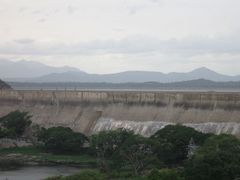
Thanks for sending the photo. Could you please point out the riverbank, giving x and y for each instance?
(38, 172)
(30, 156)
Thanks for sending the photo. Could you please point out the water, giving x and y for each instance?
(148, 128)
(37, 172)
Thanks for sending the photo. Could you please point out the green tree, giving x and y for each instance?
(62, 140)
(173, 141)
(137, 152)
(217, 159)
(15, 123)
(106, 143)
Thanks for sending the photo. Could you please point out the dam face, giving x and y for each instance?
(144, 112)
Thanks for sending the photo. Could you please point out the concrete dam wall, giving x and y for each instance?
(143, 112)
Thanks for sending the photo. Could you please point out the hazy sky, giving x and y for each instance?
(104, 36)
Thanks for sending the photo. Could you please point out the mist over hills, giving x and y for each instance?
(28, 71)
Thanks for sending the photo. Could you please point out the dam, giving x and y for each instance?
(144, 112)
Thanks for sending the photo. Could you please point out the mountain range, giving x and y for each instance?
(28, 71)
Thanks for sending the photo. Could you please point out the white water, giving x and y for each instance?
(148, 128)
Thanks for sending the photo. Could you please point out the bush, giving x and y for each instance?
(62, 140)
(15, 123)
(217, 159)
(173, 141)
(106, 143)
(137, 153)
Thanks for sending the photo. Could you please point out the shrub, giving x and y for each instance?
(173, 141)
(106, 143)
(217, 159)
(15, 123)
(62, 139)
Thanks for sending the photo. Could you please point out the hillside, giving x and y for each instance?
(136, 77)
(4, 85)
(29, 71)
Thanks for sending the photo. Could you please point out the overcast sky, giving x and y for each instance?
(105, 36)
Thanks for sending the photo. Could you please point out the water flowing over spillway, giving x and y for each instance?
(144, 112)
(148, 128)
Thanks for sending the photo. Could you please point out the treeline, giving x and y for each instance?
(173, 153)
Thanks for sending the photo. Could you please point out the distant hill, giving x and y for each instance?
(198, 85)
(137, 77)
(22, 70)
(4, 85)
(29, 71)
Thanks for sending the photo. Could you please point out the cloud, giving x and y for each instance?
(24, 41)
(23, 9)
(37, 12)
(71, 9)
(42, 20)
(134, 9)
(130, 45)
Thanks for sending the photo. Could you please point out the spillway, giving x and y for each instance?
(143, 112)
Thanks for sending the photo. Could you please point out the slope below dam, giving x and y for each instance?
(144, 112)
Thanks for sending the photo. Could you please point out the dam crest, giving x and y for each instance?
(144, 112)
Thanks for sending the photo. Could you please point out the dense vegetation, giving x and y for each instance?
(14, 124)
(173, 153)
(61, 140)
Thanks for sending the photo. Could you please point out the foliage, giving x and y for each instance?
(61, 139)
(173, 141)
(217, 159)
(3, 132)
(164, 174)
(39, 154)
(106, 143)
(137, 152)
(29, 150)
(124, 174)
(14, 124)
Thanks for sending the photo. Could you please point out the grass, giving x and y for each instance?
(70, 158)
(40, 155)
(21, 150)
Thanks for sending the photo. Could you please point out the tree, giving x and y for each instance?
(137, 152)
(62, 139)
(106, 143)
(173, 141)
(15, 123)
(217, 159)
